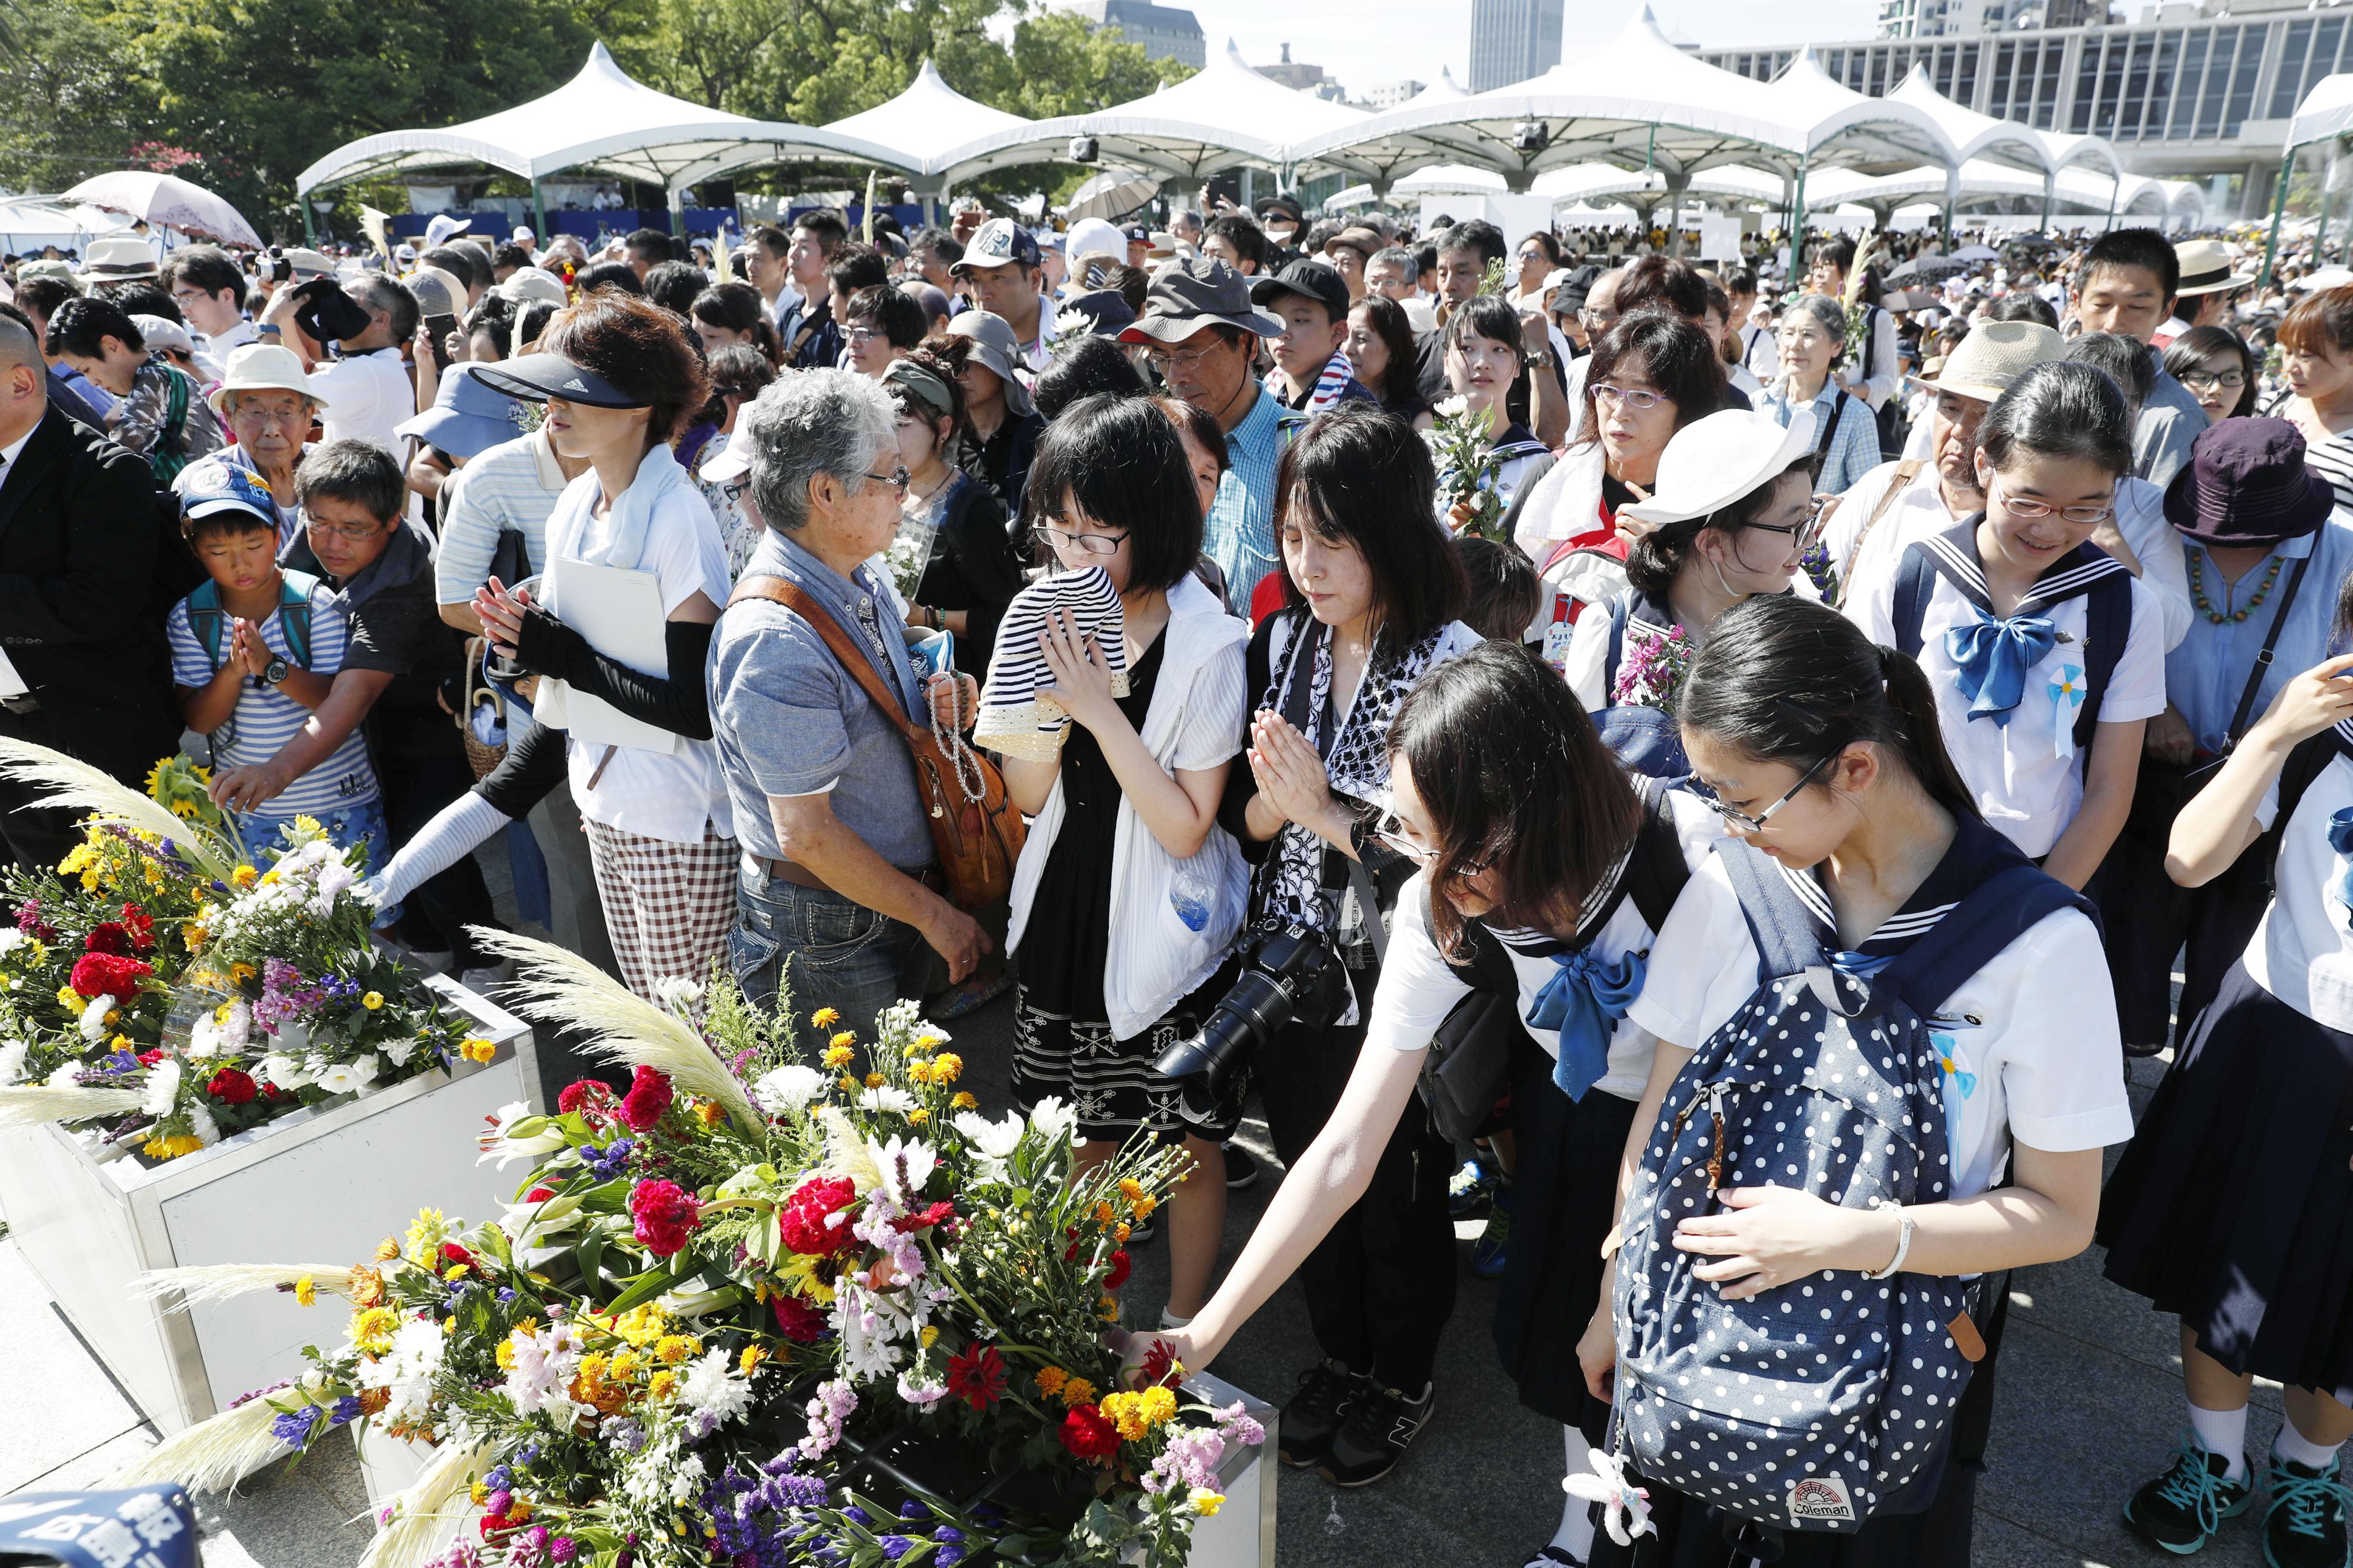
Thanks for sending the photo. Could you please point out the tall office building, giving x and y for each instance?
(1163, 30)
(1512, 40)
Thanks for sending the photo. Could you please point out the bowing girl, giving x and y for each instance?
(2230, 1209)
(2045, 655)
(1732, 513)
(1821, 752)
(1540, 876)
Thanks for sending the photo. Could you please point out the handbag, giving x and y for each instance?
(977, 832)
(2163, 788)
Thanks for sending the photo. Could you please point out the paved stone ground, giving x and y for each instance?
(2090, 1404)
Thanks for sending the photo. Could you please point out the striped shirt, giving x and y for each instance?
(2333, 460)
(1239, 534)
(266, 718)
(511, 487)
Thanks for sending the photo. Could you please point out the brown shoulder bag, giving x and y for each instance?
(976, 830)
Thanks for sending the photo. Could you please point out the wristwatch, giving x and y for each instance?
(274, 672)
(1538, 359)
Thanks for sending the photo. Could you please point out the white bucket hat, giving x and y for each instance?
(1994, 354)
(1712, 462)
(118, 258)
(2208, 267)
(263, 367)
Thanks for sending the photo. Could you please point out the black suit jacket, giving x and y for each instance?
(88, 559)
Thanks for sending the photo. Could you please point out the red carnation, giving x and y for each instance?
(231, 1087)
(1120, 1267)
(453, 1253)
(798, 1321)
(1088, 1435)
(149, 1058)
(941, 1213)
(110, 937)
(802, 1224)
(142, 928)
(539, 1194)
(664, 1216)
(105, 974)
(977, 1377)
(649, 1098)
(587, 1098)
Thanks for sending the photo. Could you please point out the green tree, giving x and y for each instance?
(1064, 65)
(67, 110)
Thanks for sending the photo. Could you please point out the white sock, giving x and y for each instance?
(2224, 1431)
(2296, 1448)
(1170, 1319)
(1575, 1535)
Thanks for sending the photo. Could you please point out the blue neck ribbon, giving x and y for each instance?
(1584, 1000)
(2340, 840)
(1993, 657)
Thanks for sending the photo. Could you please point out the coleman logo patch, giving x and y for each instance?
(1819, 1498)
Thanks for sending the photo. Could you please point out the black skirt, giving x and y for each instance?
(1566, 1203)
(2233, 1207)
(1689, 1534)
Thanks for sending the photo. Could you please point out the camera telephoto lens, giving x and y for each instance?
(1288, 972)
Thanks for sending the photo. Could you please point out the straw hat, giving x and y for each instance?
(118, 258)
(1712, 462)
(2206, 267)
(1994, 354)
(263, 367)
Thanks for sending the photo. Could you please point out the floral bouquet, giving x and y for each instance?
(1653, 671)
(910, 553)
(756, 1310)
(161, 990)
(1462, 445)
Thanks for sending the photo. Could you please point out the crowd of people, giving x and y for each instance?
(1853, 656)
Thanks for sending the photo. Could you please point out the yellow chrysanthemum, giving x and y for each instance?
(708, 1112)
(875, 1080)
(306, 1291)
(947, 1067)
(477, 1050)
(1076, 1391)
(662, 1384)
(238, 973)
(824, 1018)
(672, 1348)
(624, 1366)
(424, 1234)
(365, 1286)
(518, 1511)
(454, 1272)
(1121, 1411)
(962, 1101)
(1206, 1502)
(193, 936)
(372, 1001)
(1142, 1207)
(481, 1492)
(171, 1148)
(837, 1056)
(71, 1000)
(847, 1084)
(749, 1362)
(372, 1329)
(841, 1041)
(1049, 1380)
(930, 1336)
(918, 1117)
(1157, 1404)
(243, 877)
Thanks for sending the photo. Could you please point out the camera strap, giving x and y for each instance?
(1362, 880)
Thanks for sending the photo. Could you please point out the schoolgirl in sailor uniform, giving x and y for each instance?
(2233, 1207)
(1553, 873)
(2045, 654)
(1821, 752)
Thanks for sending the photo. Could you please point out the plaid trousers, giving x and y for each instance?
(668, 907)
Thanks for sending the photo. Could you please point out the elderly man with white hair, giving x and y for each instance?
(839, 891)
(268, 403)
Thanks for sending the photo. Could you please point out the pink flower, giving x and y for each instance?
(664, 1216)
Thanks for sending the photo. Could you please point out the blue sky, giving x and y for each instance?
(1366, 41)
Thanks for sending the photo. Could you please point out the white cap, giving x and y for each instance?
(1094, 237)
(1712, 462)
(731, 462)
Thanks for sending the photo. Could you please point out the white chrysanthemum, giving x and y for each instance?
(788, 1089)
(716, 1391)
(94, 1018)
(906, 1165)
(887, 1097)
(162, 1088)
(12, 1059)
(1054, 1120)
(283, 1071)
(405, 1371)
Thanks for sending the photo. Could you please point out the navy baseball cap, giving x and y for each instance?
(1316, 280)
(468, 415)
(1001, 242)
(211, 486)
(536, 378)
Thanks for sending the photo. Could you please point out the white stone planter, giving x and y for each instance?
(322, 1186)
(1240, 1536)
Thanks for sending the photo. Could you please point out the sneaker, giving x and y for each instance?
(1374, 1434)
(1468, 1188)
(2181, 1509)
(1241, 1167)
(1487, 1256)
(2304, 1525)
(1551, 1556)
(1312, 1419)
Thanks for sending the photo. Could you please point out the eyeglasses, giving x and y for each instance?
(1597, 321)
(2207, 381)
(291, 419)
(1802, 535)
(2033, 510)
(860, 336)
(1093, 543)
(898, 477)
(1741, 819)
(1632, 398)
(1162, 361)
(350, 532)
(1390, 830)
(734, 490)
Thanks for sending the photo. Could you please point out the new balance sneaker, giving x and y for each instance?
(2180, 1510)
(1311, 1417)
(1374, 1434)
(2304, 1525)
(1488, 1255)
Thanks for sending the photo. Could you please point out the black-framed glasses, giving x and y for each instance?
(898, 477)
(734, 490)
(1093, 543)
(1802, 535)
(350, 533)
(1741, 819)
(2207, 381)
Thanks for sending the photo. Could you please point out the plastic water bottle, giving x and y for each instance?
(1194, 892)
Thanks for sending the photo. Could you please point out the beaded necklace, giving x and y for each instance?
(2198, 589)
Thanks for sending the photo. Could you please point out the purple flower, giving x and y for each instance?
(948, 1533)
(911, 1509)
(346, 1411)
(949, 1556)
(895, 1547)
(857, 1515)
(294, 1428)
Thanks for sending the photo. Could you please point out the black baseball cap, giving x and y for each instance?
(536, 378)
(1316, 280)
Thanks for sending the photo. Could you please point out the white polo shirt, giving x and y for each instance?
(367, 395)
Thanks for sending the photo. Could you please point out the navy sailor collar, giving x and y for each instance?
(1976, 854)
(1954, 556)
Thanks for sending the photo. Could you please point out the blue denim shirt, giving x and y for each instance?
(2206, 674)
(789, 719)
(1240, 531)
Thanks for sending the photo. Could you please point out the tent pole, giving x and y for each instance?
(2320, 234)
(2279, 206)
(310, 235)
(1798, 227)
(2049, 182)
(539, 211)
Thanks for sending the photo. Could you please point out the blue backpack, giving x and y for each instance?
(1814, 1405)
(1645, 738)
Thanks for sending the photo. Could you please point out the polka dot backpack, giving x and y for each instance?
(1815, 1405)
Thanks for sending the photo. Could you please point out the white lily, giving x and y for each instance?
(516, 1134)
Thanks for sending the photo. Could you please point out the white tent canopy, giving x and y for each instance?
(602, 120)
(1222, 114)
(2326, 111)
(928, 123)
(2005, 140)
(1876, 131)
(1980, 178)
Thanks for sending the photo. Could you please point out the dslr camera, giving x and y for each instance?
(1291, 972)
